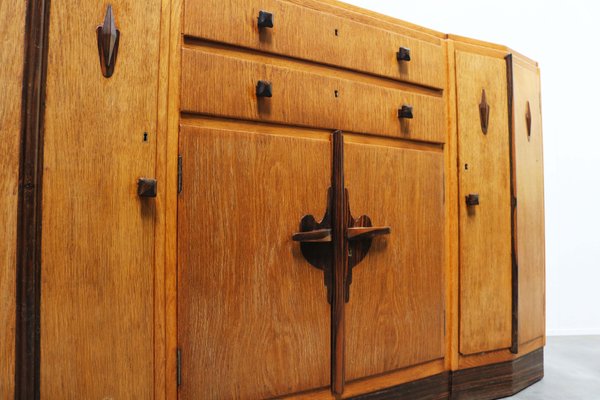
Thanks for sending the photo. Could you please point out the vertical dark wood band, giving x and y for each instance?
(513, 213)
(340, 264)
(27, 354)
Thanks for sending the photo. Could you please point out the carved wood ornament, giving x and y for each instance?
(108, 43)
(528, 120)
(484, 113)
(335, 245)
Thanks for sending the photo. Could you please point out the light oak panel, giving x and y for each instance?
(485, 230)
(395, 317)
(253, 317)
(222, 85)
(12, 30)
(97, 306)
(306, 33)
(528, 164)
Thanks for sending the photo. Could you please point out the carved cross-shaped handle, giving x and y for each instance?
(353, 235)
(335, 245)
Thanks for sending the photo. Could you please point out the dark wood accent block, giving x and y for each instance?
(498, 380)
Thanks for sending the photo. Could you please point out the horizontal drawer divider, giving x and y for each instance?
(273, 128)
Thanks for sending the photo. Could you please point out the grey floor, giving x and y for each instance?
(571, 370)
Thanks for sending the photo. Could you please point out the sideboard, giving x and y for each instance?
(260, 199)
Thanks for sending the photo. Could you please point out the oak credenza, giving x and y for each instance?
(259, 199)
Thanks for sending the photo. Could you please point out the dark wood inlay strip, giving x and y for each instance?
(513, 214)
(27, 355)
(340, 264)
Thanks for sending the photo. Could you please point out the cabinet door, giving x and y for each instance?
(529, 190)
(253, 316)
(12, 30)
(395, 316)
(97, 257)
(485, 229)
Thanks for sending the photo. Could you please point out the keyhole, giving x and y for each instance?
(336, 33)
(466, 167)
(145, 136)
(336, 93)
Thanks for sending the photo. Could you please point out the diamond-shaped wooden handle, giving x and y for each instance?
(108, 43)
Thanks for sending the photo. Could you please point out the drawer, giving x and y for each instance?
(308, 34)
(218, 84)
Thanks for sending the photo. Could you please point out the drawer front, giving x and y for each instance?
(221, 85)
(305, 33)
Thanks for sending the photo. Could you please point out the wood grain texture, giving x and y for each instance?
(370, 17)
(253, 317)
(162, 379)
(395, 317)
(528, 167)
(171, 143)
(485, 230)
(98, 249)
(306, 33)
(12, 45)
(452, 216)
(302, 97)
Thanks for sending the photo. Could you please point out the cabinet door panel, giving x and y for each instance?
(395, 317)
(485, 230)
(97, 294)
(529, 176)
(253, 314)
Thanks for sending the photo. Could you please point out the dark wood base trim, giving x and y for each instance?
(436, 387)
(498, 380)
(480, 383)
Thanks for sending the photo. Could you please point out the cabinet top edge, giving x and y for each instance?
(374, 15)
(420, 29)
(494, 46)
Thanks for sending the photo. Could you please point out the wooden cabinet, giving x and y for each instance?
(267, 199)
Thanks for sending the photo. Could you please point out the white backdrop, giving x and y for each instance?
(563, 37)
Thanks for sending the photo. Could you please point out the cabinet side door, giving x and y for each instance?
(529, 224)
(485, 297)
(97, 257)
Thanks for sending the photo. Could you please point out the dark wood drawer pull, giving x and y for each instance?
(146, 187)
(264, 89)
(265, 19)
(472, 200)
(403, 54)
(405, 111)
